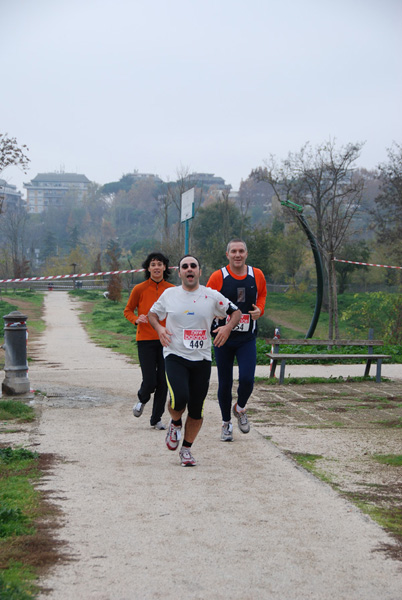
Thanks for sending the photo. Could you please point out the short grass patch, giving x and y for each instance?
(17, 411)
(391, 423)
(309, 462)
(27, 518)
(313, 380)
(393, 460)
(19, 501)
(387, 513)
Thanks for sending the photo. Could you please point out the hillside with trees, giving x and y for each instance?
(355, 214)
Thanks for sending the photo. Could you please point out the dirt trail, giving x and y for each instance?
(246, 523)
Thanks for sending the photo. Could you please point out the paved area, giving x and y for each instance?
(246, 523)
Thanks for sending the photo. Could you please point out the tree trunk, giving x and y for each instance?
(334, 293)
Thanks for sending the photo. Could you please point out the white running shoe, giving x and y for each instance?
(187, 459)
(159, 425)
(138, 409)
(227, 432)
(242, 420)
(173, 436)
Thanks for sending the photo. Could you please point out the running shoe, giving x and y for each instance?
(138, 409)
(159, 425)
(187, 459)
(242, 420)
(227, 432)
(173, 436)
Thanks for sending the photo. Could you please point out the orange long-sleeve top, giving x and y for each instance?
(141, 299)
(216, 280)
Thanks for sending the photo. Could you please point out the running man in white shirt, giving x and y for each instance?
(189, 310)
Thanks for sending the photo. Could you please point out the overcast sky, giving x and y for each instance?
(104, 87)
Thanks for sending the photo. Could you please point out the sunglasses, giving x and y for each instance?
(186, 266)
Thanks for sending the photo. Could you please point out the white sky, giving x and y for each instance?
(103, 87)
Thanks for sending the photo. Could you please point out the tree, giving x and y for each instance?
(289, 256)
(323, 181)
(11, 154)
(358, 251)
(49, 244)
(113, 253)
(388, 212)
(12, 234)
(214, 227)
(255, 200)
(262, 243)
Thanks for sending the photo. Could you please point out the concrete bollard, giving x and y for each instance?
(15, 365)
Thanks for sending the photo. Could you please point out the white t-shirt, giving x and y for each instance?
(189, 316)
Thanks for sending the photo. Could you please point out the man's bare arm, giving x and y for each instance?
(163, 333)
(222, 333)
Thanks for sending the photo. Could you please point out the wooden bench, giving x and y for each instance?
(370, 357)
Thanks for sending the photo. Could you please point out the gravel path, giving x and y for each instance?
(246, 523)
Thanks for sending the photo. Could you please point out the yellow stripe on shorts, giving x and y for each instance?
(172, 403)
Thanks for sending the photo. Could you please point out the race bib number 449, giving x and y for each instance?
(195, 338)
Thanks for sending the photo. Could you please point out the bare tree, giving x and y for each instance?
(322, 180)
(388, 212)
(12, 232)
(174, 190)
(11, 154)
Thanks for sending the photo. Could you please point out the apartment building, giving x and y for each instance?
(52, 189)
(10, 197)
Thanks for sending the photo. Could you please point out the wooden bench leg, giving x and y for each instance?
(282, 374)
(378, 374)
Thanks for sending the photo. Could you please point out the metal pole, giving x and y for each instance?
(319, 272)
(186, 237)
(318, 264)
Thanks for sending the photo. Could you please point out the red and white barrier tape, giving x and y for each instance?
(75, 276)
(352, 262)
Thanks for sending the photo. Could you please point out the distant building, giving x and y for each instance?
(211, 186)
(127, 181)
(9, 196)
(51, 189)
(208, 180)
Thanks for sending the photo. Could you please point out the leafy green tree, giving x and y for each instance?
(262, 244)
(214, 226)
(289, 255)
(358, 251)
(380, 311)
(49, 246)
(74, 237)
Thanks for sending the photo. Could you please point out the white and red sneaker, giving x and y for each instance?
(173, 436)
(187, 459)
